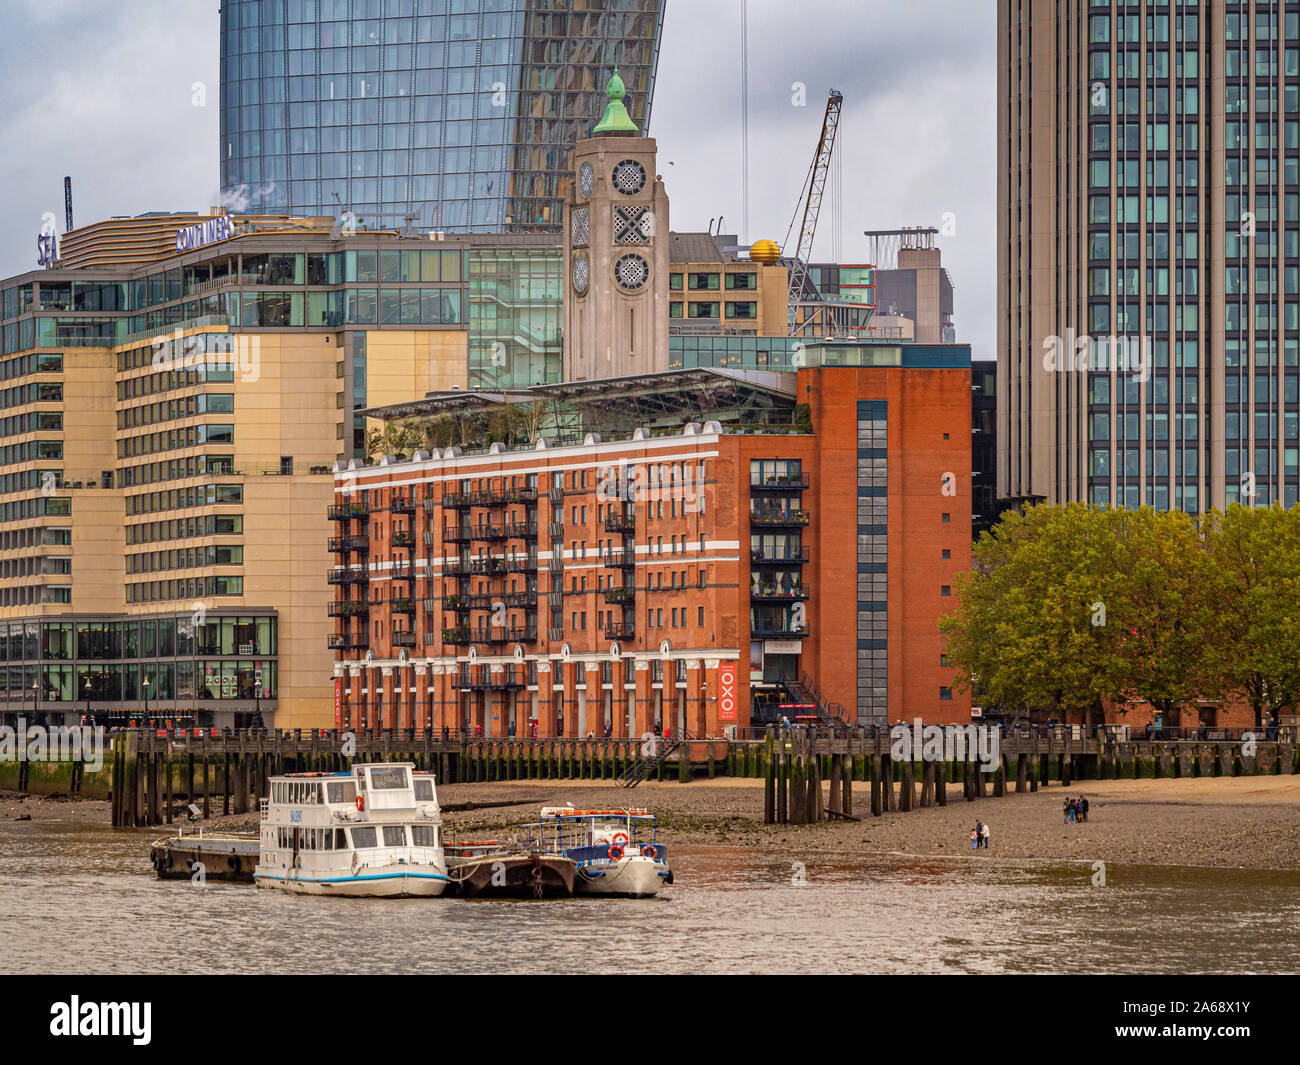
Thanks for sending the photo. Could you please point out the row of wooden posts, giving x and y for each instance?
(795, 766)
(153, 781)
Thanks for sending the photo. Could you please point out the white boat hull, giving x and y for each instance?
(377, 882)
(630, 877)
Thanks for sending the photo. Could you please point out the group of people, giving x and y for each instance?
(979, 836)
(1076, 809)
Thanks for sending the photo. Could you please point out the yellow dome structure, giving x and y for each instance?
(766, 252)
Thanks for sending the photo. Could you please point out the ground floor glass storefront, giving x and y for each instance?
(182, 669)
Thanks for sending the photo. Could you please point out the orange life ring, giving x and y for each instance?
(619, 837)
(650, 851)
(361, 802)
(615, 852)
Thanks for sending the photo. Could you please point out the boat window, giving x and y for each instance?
(364, 837)
(387, 777)
(423, 789)
(394, 835)
(342, 791)
(424, 835)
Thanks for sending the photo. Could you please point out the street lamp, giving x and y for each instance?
(88, 689)
(146, 702)
(36, 695)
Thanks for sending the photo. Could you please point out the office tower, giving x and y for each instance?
(1149, 252)
(461, 114)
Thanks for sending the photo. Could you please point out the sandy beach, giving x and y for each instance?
(1244, 822)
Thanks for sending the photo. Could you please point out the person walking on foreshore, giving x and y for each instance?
(1069, 811)
(974, 838)
(1083, 808)
(984, 835)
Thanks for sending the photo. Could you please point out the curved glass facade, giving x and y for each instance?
(461, 114)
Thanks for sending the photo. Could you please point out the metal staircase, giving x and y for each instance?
(648, 764)
(804, 692)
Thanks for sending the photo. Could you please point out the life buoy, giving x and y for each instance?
(619, 837)
(650, 851)
(361, 802)
(615, 852)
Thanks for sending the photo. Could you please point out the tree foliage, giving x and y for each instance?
(1067, 606)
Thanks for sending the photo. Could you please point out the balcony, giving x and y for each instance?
(404, 638)
(403, 538)
(402, 604)
(358, 542)
(456, 535)
(458, 603)
(556, 529)
(555, 494)
(778, 556)
(482, 677)
(521, 530)
(521, 495)
(458, 635)
(487, 565)
(490, 634)
(778, 519)
(458, 500)
(623, 595)
(796, 482)
(402, 571)
(618, 558)
(620, 630)
(348, 641)
(777, 628)
(455, 567)
(520, 563)
(555, 564)
(621, 522)
(346, 608)
(521, 600)
(347, 575)
(402, 505)
(776, 593)
(348, 511)
(522, 634)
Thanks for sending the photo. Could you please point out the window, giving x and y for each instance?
(945, 694)
(703, 281)
(945, 589)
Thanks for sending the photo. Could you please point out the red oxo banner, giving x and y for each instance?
(727, 691)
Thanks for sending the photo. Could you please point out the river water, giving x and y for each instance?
(83, 899)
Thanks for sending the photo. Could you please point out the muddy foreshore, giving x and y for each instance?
(1243, 822)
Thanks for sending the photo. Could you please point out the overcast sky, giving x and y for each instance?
(107, 92)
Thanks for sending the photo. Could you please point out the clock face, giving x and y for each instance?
(632, 272)
(581, 275)
(586, 180)
(629, 177)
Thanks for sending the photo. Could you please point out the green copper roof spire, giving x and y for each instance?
(616, 119)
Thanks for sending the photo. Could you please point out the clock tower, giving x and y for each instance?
(616, 252)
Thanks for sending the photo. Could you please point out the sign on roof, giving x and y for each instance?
(205, 233)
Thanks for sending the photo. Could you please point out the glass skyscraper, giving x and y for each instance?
(1149, 188)
(460, 113)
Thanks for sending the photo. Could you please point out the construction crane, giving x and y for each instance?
(816, 186)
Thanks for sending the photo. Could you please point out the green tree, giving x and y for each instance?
(1031, 625)
(1255, 590)
(391, 438)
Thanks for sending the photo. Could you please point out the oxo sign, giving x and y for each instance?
(727, 691)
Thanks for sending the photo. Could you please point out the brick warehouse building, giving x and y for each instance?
(690, 565)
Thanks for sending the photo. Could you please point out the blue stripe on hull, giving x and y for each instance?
(349, 879)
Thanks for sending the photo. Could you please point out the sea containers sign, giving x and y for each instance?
(209, 232)
(727, 691)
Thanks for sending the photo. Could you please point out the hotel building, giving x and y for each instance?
(1149, 191)
(172, 419)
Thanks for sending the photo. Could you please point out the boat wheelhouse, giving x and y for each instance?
(375, 832)
(616, 852)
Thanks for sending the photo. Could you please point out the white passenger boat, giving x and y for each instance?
(616, 852)
(374, 832)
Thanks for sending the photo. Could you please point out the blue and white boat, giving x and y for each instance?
(375, 832)
(617, 852)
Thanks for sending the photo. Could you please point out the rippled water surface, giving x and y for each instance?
(77, 898)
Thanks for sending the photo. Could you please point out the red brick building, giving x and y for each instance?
(695, 570)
